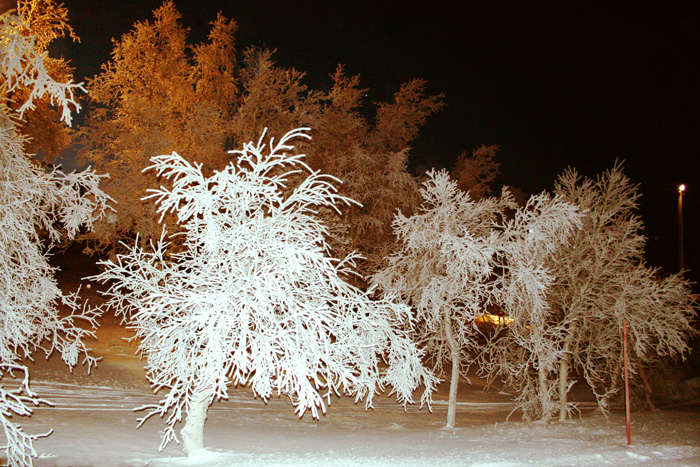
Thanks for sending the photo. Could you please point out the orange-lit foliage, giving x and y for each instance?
(157, 94)
(474, 173)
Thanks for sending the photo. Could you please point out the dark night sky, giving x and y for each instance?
(554, 83)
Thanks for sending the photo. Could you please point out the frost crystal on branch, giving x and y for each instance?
(253, 296)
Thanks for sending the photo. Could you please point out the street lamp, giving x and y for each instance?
(681, 189)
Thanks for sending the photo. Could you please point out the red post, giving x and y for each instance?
(627, 383)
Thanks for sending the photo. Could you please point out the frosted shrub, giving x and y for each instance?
(36, 209)
(253, 298)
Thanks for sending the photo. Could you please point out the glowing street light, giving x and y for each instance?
(681, 189)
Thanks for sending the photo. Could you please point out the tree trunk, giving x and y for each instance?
(564, 377)
(648, 402)
(454, 381)
(604, 401)
(564, 385)
(544, 391)
(193, 431)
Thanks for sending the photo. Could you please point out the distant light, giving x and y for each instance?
(494, 319)
(681, 188)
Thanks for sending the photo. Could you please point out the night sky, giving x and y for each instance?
(554, 83)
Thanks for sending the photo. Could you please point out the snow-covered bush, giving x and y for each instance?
(459, 255)
(36, 209)
(253, 297)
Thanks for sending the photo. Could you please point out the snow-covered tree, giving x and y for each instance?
(525, 353)
(593, 282)
(254, 298)
(458, 255)
(444, 270)
(602, 280)
(37, 209)
(157, 93)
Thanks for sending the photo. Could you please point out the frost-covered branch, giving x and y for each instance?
(20, 445)
(22, 66)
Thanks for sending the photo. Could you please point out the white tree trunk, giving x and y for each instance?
(193, 431)
(454, 380)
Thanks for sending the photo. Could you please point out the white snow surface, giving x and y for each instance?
(95, 425)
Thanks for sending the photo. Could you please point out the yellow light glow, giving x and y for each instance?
(681, 188)
(494, 319)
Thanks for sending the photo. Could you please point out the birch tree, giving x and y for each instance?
(254, 298)
(454, 255)
(524, 352)
(595, 280)
(37, 209)
(602, 280)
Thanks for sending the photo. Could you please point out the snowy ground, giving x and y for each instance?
(94, 425)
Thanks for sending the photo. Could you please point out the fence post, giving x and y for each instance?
(627, 382)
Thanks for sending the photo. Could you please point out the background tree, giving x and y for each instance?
(602, 280)
(458, 255)
(157, 93)
(370, 159)
(474, 173)
(273, 99)
(254, 298)
(36, 209)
